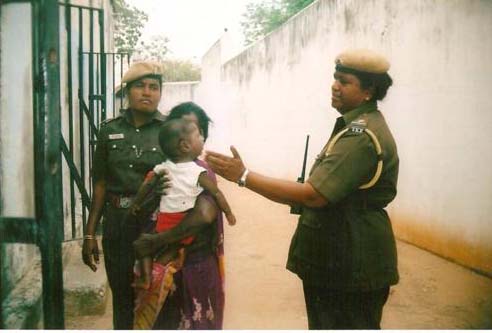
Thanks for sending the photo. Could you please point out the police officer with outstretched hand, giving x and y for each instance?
(343, 248)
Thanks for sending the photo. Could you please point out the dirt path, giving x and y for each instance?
(261, 294)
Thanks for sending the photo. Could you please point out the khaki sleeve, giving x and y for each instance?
(100, 160)
(351, 163)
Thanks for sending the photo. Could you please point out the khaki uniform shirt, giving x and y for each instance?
(349, 244)
(124, 153)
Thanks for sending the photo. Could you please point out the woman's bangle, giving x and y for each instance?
(89, 237)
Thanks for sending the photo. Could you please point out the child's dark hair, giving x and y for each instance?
(171, 133)
(189, 107)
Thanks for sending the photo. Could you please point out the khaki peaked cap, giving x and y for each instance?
(363, 60)
(141, 69)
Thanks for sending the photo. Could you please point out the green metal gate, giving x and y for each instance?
(89, 71)
(82, 110)
(44, 230)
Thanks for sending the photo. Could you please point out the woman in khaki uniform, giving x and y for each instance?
(127, 149)
(343, 248)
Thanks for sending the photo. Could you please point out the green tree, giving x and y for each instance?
(155, 49)
(128, 23)
(180, 70)
(263, 17)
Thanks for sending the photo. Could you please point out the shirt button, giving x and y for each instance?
(134, 146)
(131, 165)
(114, 146)
(138, 130)
(154, 149)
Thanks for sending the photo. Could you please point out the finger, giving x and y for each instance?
(93, 267)
(166, 181)
(235, 153)
(217, 155)
(85, 259)
(167, 185)
(96, 254)
(217, 161)
(210, 153)
(88, 261)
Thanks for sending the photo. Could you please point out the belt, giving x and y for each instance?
(119, 201)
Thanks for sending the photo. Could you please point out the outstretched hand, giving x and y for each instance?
(231, 168)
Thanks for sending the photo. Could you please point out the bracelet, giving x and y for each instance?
(89, 237)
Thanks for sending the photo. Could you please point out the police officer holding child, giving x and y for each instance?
(128, 148)
(343, 248)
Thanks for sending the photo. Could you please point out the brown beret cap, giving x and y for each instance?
(363, 60)
(141, 69)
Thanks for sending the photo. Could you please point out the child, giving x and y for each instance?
(182, 142)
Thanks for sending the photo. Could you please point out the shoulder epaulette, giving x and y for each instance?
(107, 121)
(357, 127)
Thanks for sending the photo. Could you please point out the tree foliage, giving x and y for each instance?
(263, 17)
(155, 49)
(128, 23)
(180, 70)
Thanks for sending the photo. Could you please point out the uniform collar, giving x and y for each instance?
(358, 111)
(156, 116)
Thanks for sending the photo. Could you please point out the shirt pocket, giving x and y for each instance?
(118, 152)
(322, 239)
(312, 240)
(151, 155)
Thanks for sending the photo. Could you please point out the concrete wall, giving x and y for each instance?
(20, 264)
(269, 97)
(16, 136)
(178, 92)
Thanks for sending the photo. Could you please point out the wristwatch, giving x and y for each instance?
(242, 181)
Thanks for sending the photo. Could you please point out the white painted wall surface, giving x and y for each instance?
(179, 91)
(269, 97)
(16, 122)
(16, 134)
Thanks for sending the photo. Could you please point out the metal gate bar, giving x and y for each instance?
(49, 207)
(46, 229)
(89, 114)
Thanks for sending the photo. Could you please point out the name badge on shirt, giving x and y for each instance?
(116, 136)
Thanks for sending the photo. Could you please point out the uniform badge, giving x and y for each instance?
(358, 126)
(116, 136)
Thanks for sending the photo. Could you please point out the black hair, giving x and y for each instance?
(186, 108)
(380, 83)
(171, 133)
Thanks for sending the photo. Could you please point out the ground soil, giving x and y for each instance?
(433, 293)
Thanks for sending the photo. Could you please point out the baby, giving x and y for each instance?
(182, 142)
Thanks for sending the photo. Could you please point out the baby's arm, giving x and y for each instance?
(211, 187)
(148, 184)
